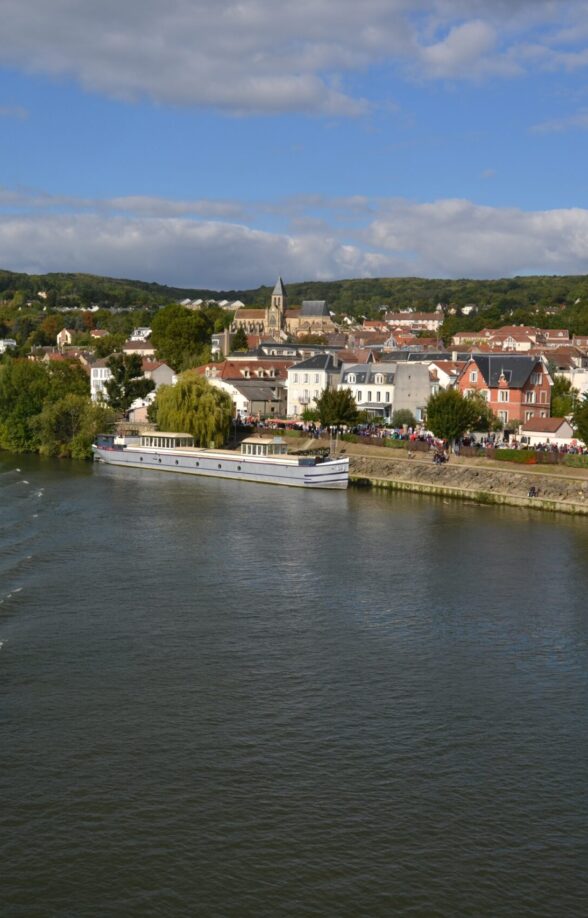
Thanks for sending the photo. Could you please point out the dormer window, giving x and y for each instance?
(379, 379)
(351, 378)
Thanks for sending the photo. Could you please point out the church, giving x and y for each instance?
(279, 322)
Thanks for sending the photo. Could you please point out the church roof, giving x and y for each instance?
(279, 289)
(314, 308)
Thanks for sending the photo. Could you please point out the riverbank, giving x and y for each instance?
(558, 490)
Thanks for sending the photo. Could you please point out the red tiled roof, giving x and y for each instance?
(543, 425)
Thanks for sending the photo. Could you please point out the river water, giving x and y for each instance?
(221, 699)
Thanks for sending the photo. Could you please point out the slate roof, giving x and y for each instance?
(365, 373)
(279, 289)
(517, 369)
(313, 308)
(318, 362)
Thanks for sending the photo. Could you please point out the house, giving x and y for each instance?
(159, 372)
(142, 348)
(547, 431)
(309, 379)
(580, 341)
(99, 376)
(517, 387)
(447, 372)
(382, 388)
(415, 321)
(99, 333)
(140, 334)
(554, 337)
(248, 369)
(372, 386)
(261, 398)
(65, 336)
(6, 344)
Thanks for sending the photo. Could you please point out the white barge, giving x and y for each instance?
(262, 459)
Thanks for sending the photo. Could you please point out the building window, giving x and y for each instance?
(529, 415)
(379, 380)
(543, 414)
(530, 398)
(305, 378)
(503, 416)
(503, 395)
(316, 377)
(378, 396)
(536, 379)
(359, 396)
(485, 394)
(295, 377)
(351, 378)
(369, 396)
(474, 376)
(543, 397)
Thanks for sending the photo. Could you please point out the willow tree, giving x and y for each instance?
(195, 407)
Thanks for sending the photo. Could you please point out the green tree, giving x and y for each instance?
(336, 407)
(483, 418)
(128, 382)
(580, 419)
(239, 342)
(403, 417)
(449, 414)
(310, 414)
(194, 406)
(24, 386)
(69, 426)
(181, 337)
(108, 345)
(563, 397)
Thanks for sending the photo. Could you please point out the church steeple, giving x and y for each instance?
(275, 314)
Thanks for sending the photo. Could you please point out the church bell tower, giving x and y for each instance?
(275, 314)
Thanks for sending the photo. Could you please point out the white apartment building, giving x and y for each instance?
(309, 379)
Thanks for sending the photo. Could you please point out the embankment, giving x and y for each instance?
(565, 494)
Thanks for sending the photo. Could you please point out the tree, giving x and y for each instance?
(128, 382)
(239, 342)
(24, 387)
(403, 417)
(181, 337)
(68, 427)
(580, 419)
(563, 397)
(195, 407)
(449, 414)
(336, 407)
(484, 418)
(310, 415)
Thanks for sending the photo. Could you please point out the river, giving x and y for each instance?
(221, 699)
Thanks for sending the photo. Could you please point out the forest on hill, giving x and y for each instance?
(552, 300)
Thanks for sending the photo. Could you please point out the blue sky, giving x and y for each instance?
(211, 143)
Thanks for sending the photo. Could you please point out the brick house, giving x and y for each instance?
(517, 388)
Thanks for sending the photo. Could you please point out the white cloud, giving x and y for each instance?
(274, 55)
(446, 238)
(579, 120)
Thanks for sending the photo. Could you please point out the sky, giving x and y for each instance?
(216, 144)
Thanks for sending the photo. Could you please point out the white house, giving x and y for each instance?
(6, 344)
(99, 376)
(372, 386)
(140, 334)
(382, 388)
(309, 379)
(552, 431)
(65, 336)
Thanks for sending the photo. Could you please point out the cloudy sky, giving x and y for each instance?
(217, 143)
